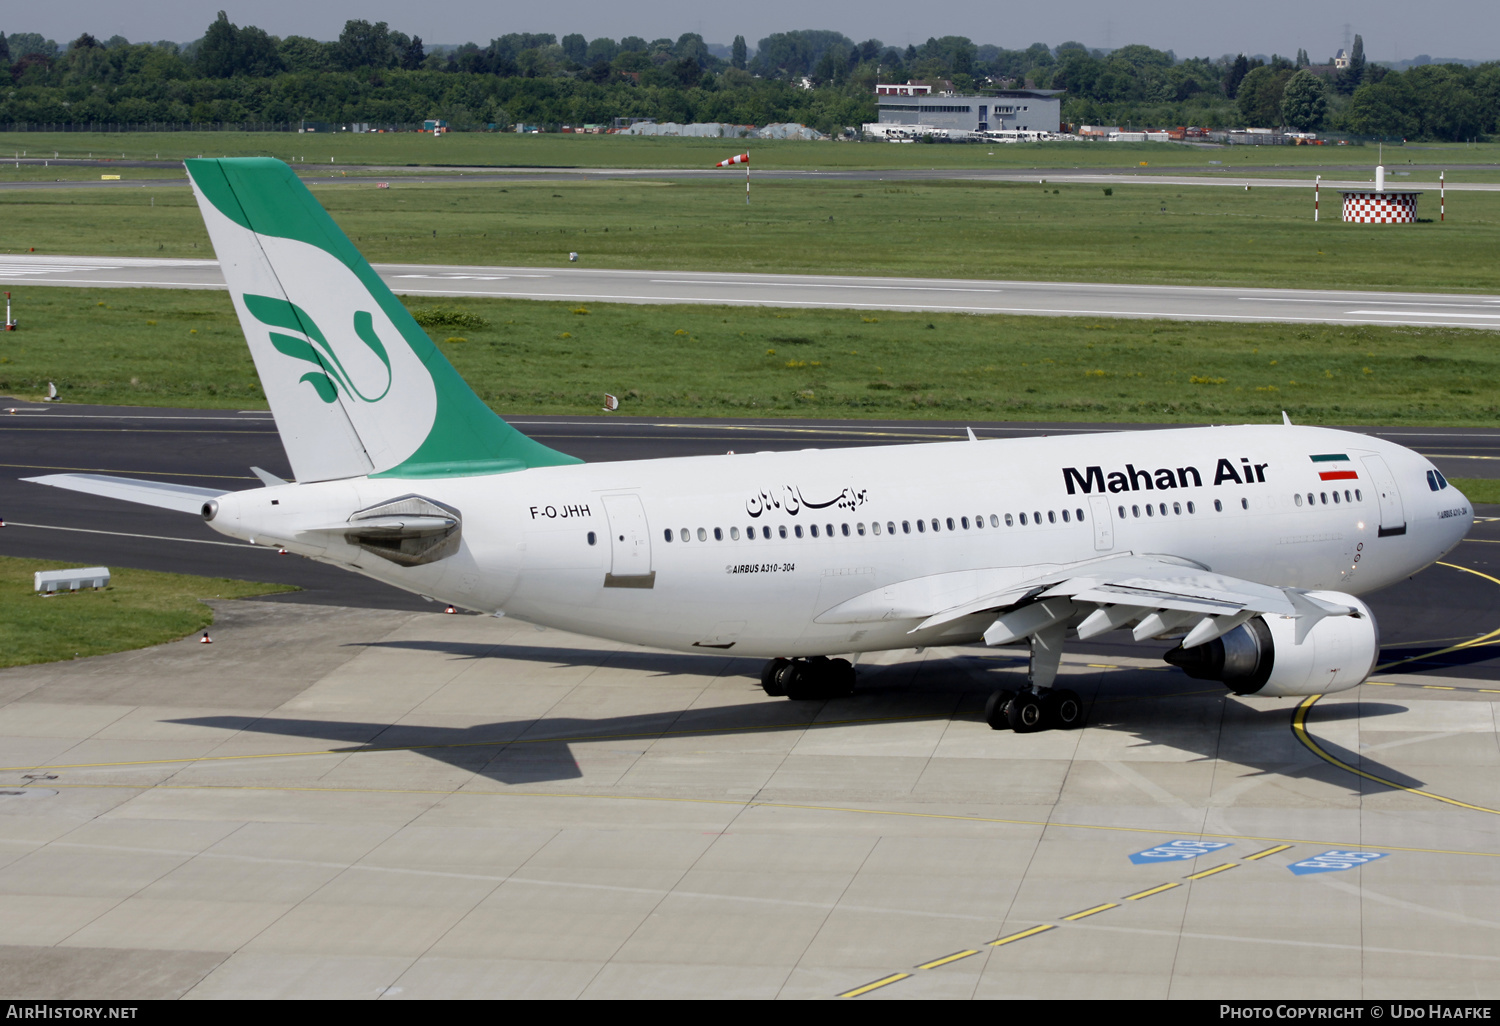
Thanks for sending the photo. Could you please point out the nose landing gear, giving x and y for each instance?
(807, 679)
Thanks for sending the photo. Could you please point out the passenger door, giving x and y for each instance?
(629, 543)
(1383, 482)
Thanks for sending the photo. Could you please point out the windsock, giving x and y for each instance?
(743, 158)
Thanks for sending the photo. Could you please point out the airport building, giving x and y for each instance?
(905, 108)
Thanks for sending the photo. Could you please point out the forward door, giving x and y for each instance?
(1392, 512)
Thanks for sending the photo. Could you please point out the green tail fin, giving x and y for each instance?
(356, 385)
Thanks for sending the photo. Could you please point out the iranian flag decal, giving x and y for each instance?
(1336, 472)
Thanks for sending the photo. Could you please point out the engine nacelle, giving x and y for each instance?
(1262, 657)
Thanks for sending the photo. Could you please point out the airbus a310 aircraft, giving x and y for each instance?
(1248, 543)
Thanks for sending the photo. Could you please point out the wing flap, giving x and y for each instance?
(1163, 594)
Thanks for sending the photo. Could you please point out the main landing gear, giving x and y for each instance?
(1038, 706)
(1028, 711)
(804, 679)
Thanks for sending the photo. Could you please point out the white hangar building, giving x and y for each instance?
(1009, 110)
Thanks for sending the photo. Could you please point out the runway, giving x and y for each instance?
(1051, 299)
(348, 796)
(1211, 172)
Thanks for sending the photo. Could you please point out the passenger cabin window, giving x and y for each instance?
(906, 527)
(1008, 522)
(797, 530)
(860, 529)
(1218, 506)
(921, 526)
(666, 534)
(734, 534)
(593, 538)
(781, 530)
(814, 530)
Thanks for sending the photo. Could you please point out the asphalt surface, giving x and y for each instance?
(1211, 173)
(583, 284)
(1439, 607)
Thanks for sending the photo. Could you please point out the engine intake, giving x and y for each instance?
(1263, 657)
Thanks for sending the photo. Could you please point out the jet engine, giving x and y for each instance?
(1264, 657)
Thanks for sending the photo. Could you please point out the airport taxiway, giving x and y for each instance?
(603, 285)
(355, 797)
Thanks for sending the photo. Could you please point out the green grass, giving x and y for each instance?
(1478, 489)
(556, 150)
(140, 608)
(665, 361)
(1059, 232)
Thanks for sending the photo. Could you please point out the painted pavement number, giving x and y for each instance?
(1177, 851)
(1335, 861)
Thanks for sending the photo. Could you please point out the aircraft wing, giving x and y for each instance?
(1161, 595)
(180, 497)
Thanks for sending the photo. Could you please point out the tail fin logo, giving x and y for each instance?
(309, 344)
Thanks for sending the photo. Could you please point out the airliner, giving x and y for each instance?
(1248, 545)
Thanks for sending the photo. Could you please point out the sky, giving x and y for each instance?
(1392, 30)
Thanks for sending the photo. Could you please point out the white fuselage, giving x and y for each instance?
(763, 545)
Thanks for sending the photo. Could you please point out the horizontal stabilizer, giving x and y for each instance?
(181, 497)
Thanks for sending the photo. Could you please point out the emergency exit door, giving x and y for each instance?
(1104, 525)
(629, 543)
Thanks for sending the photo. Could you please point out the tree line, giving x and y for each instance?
(378, 75)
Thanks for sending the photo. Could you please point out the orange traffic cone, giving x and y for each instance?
(451, 609)
(281, 552)
(205, 640)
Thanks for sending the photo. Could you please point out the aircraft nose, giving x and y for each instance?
(1457, 515)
